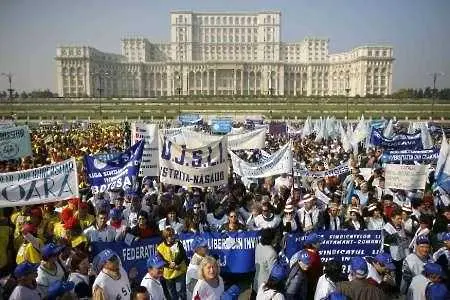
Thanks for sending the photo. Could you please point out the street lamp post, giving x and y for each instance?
(347, 91)
(179, 95)
(435, 76)
(9, 76)
(100, 88)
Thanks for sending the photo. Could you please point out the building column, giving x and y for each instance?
(207, 82)
(256, 75)
(234, 82)
(295, 83)
(215, 82)
(242, 83)
(248, 83)
(281, 81)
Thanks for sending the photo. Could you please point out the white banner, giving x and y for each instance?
(278, 163)
(15, 142)
(406, 177)
(45, 184)
(202, 166)
(150, 160)
(250, 140)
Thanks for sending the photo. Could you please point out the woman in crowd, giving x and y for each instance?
(375, 221)
(233, 224)
(265, 257)
(209, 285)
(171, 220)
(144, 228)
(355, 220)
(79, 275)
(174, 254)
(327, 282)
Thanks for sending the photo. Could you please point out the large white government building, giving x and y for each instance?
(224, 53)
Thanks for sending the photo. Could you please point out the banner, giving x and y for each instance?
(245, 141)
(410, 155)
(278, 163)
(342, 169)
(340, 245)
(406, 177)
(119, 173)
(150, 160)
(189, 119)
(221, 125)
(15, 142)
(277, 128)
(50, 183)
(235, 251)
(202, 166)
(397, 143)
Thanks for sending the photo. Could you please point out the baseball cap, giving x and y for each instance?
(433, 269)
(24, 269)
(359, 266)
(437, 291)
(303, 257)
(385, 259)
(336, 296)
(155, 261)
(50, 249)
(105, 256)
(446, 237)
(115, 213)
(313, 238)
(422, 239)
(198, 242)
(58, 288)
(280, 271)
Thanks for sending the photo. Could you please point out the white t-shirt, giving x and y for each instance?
(22, 292)
(207, 292)
(45, 277)
(268, 294)
(153, 287)
(114, 289)
(324, 288)
(262, 223)
(108, 234)
(214, 223)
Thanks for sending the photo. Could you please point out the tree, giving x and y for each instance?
(427, 93)
(420, 93)
(23, 95)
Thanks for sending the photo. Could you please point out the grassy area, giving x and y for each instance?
(270, 107)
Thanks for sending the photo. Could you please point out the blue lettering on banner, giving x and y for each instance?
(410, 155)
(221, 126)
(236, 250)
(397, 143)
(118, 173)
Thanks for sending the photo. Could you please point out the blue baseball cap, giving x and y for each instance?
(437, 291)
(446, 237)
(58, 288)
(359, 266)
(386, 260)
(232, 293)
(280, 271)
(115, 213)
(156, 262)
(422, 239)
(105, 256)
(198, 242)
(433, 269)
(313, 238)
(24, 269)
(50, 249)
(301, 256)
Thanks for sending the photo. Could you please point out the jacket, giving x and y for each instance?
(265, 258)
(296, 283)
(179, 257)
(361, 289)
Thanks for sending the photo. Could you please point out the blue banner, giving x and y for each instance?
(189, 119)
(410, 155)
(117, 173)
(221, 126)
(235, 251)
(397, 143)
(340, 245)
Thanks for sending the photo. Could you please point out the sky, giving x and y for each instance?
(30, 31)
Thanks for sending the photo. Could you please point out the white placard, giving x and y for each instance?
(406, 177)
(15, 142)
(50, 183)
(250, 140)
(150, 160)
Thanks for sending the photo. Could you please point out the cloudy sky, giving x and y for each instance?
(30, 30)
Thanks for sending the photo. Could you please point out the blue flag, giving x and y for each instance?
(120, 172)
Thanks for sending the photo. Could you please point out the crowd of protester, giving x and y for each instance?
(45, 249)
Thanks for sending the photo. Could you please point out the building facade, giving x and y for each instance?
(224, 54)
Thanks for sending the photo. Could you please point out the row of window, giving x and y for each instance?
(227, 20)
(376, 53)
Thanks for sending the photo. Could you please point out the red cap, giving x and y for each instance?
(28, 228)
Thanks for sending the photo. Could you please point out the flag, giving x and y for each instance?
(442, 159)
(307, 129)
(344, 139)
(350, 190)
(427, 142)
(389, 130)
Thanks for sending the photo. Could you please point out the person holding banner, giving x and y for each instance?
(174, 254)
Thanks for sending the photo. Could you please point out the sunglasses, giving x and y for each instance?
(196, 207)
(233, 216)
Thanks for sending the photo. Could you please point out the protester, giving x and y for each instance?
(442, 256)
(200, 247)
(312, 245)
(209, 285)
(380, 268)
(26, 274)
(79, 275)
(432, 274)
(297, 280)
(50, 269)
(359, 287)
(265, 258)
(274, 287)
(60, 290)
(152, 280)
(309, 215)
(326, 284)
(174, 254)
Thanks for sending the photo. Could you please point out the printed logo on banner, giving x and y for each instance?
(120, 173)
(201, 166)
(15, 142)
(50, 183)
(150, 160)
